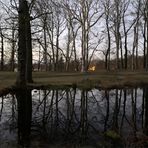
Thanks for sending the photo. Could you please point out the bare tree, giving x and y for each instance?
(107, 9)
(136, 37)
(72, 32)
(52, 22)
(87, 13)
(13, 46)
(9, 25)
(126, 30)
(144, 12)
(116, 18)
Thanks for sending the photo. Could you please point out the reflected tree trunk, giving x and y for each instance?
(116, 111)
(2, 104)
(134, 111)
(73, 106)
(83, 119)
(68, 112)
(70, 101)
(124, 108)
(143, 109)
(50, 114)
(24, 101)
(107, 110)
(146, 111)
(56, 111)
(13, 110)
(44, 109)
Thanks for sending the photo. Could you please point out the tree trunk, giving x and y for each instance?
(28, 46)
(12, 62)
(57, 51)
(109, 45)
(24, 45)
(133, 51)
(74, 48)
(21, 77)
(146, 19)
(68, 46)
(2, 50)
(45, 45)
(122, 63)
(125, 45)
(144, 45)
(50, 32)
(117, 23)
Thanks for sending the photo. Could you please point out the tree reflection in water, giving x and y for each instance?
(24, 101)
(78, 117)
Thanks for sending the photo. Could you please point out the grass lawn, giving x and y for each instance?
(101, 79)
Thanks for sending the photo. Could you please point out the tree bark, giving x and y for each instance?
(22, 53)
(2, 50)
(24, 45)
(28, 46)
(12, 61)
(45, 44)
(146, 19)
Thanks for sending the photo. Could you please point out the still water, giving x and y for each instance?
(74, 118)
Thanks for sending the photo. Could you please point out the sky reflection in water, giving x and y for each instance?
(72, 117)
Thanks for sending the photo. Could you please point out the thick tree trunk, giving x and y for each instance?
(21, 77)
(24, 45)
(147, 36)
(28, 47)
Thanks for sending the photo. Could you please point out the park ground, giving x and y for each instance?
(102, 79)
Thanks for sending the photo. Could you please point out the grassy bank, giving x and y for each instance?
(82, 80)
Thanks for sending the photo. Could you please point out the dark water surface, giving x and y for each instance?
(74, 118)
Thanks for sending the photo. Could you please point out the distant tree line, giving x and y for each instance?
(66, 35)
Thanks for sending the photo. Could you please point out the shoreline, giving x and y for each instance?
(98, 80)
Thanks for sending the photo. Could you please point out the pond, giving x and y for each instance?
(74, 118)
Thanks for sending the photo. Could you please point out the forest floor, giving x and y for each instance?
(102, 79)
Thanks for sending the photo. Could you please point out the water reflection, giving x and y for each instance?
(24, 101)
(107, 118)
(145, 92)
